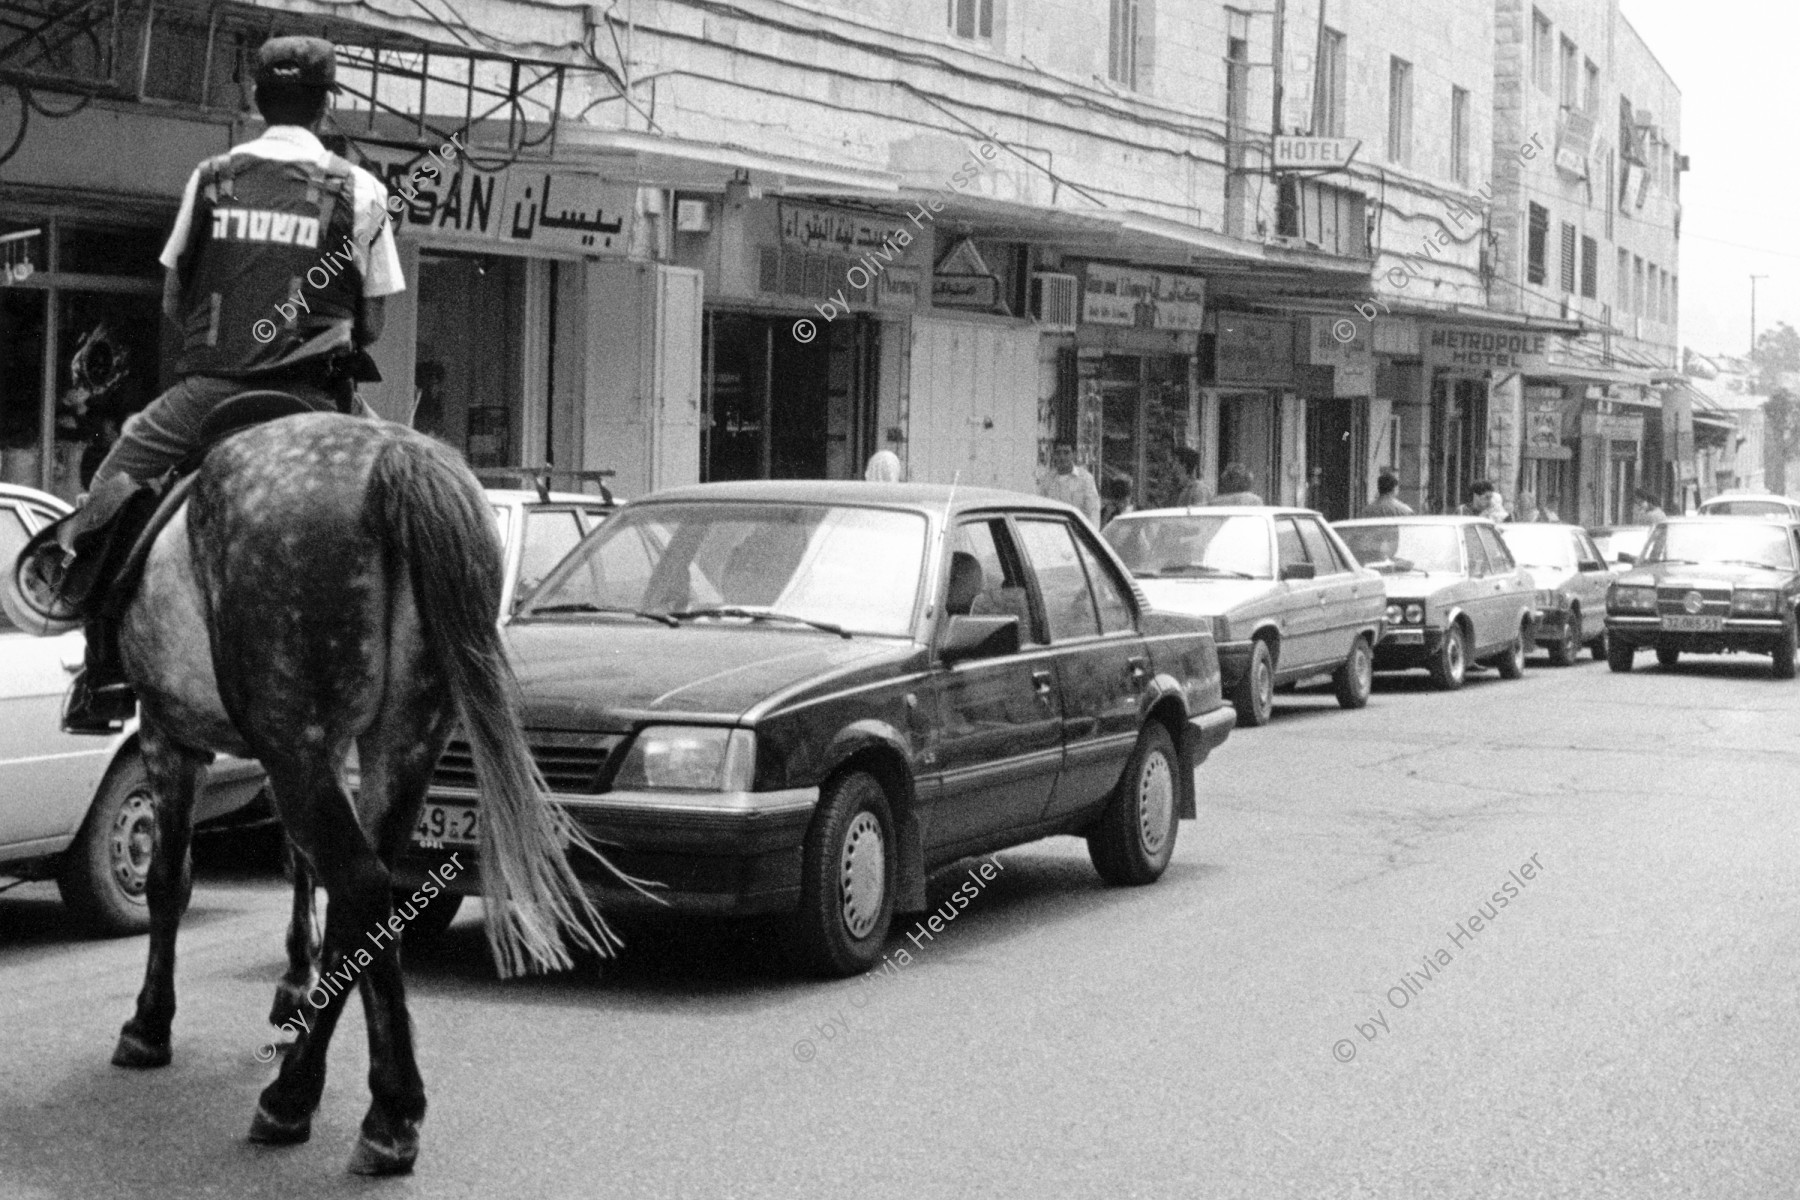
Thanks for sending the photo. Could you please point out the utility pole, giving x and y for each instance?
(1280, 50)
(1753, 280)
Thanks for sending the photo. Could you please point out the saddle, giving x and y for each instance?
(113, 543)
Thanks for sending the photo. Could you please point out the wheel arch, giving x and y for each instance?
(1172, 714)
(879, 749)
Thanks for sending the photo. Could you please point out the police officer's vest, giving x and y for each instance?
(263, 232)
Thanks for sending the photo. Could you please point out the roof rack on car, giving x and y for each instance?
(540, 477)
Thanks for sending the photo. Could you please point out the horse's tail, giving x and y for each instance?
(437, 523)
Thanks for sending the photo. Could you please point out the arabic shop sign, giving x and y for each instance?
(836, 229)
(549, 207)
(1144, 299)
(1253, 350)
(1485, 348)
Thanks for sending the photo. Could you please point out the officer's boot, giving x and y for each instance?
(101, 700)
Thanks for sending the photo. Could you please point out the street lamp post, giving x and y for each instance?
(1753, 280)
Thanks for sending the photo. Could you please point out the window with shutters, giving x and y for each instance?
(1537, 236)
(1459, 135)
(1571, 75)
(1400, 104)
(1624, 281)
(972, 19)
(1122, 58)
(1567, 279)
(1590, 268)
(1328, 87)
(1542, 62)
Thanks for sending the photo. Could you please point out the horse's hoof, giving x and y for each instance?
(385, 1158)
(138, 1054)
(266, 1129)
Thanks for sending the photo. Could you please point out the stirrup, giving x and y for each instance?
(31, 589)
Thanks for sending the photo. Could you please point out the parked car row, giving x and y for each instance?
(799, 699)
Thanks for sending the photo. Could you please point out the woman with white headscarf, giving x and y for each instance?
(884, 467)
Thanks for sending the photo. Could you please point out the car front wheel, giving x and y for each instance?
(1619, 655)
(104, 873)
(1254, 698)
(1134, 839)
(846, 879)
(1451, 664)
(1784, 653)
(1356, 678)
(1512, 663)
(1566, 651)
(1599, 646)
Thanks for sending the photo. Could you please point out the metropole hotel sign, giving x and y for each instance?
(1485, 348)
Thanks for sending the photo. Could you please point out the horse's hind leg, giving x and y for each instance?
(175, 776)
(397, 757)
(303, 947)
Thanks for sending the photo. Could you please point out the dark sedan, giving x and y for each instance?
(1706, 586)
(803, 698)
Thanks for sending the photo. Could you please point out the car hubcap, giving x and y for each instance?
(1265, 686)
(1364, 668)
(1453, 655)
(1156, 802)
(862, 874)
(131, 841)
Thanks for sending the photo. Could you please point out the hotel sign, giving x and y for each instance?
(1314, 153)
(1486, 348)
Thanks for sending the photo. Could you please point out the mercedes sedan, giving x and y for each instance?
(1706, 586)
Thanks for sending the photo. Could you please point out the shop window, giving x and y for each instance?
(1536, 243)
(22, 317)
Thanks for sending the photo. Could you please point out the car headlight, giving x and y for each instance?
(690, 758)
(1631, 599)
(1395, 614)
(1755, 600)
(1415, 614)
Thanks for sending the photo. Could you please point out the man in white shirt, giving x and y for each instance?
(278, 264)
(1071, 484)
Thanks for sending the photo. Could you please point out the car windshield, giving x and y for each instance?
(1426, 547)
(1201, 545)
(1721, 542)
(1622, 541)
(855, 569)
(1540, 545)
(1745, 508)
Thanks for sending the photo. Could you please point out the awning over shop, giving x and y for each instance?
(657, 160)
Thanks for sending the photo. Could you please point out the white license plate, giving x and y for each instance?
(447, 825)
(1685, 624)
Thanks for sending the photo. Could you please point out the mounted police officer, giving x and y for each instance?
(277, 265)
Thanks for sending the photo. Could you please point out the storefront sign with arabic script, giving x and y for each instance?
(838, 229)
(536, 205)
(1147, 299)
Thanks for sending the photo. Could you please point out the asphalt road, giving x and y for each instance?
(1292, 1011)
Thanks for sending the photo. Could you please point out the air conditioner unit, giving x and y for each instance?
(1053, 301)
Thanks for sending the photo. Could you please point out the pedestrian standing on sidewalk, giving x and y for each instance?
(1387, 499)
(1071, 484)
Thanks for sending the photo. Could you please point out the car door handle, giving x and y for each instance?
(1042, 681)
(1138, 668)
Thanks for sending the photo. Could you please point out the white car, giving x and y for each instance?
(1750, 504)
(78, 809)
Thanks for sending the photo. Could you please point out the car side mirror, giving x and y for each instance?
(979, 637)
(1588, 564)
(1298, 570)
(1629, 560)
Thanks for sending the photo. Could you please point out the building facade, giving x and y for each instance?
(679, 240)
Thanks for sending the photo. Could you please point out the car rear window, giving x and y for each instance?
(1193, 545)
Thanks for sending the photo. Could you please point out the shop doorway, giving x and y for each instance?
(1458, 439)
(1143, 417)
(780, 408)
(1336, 451)
(1249, 434)
(473, 373)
